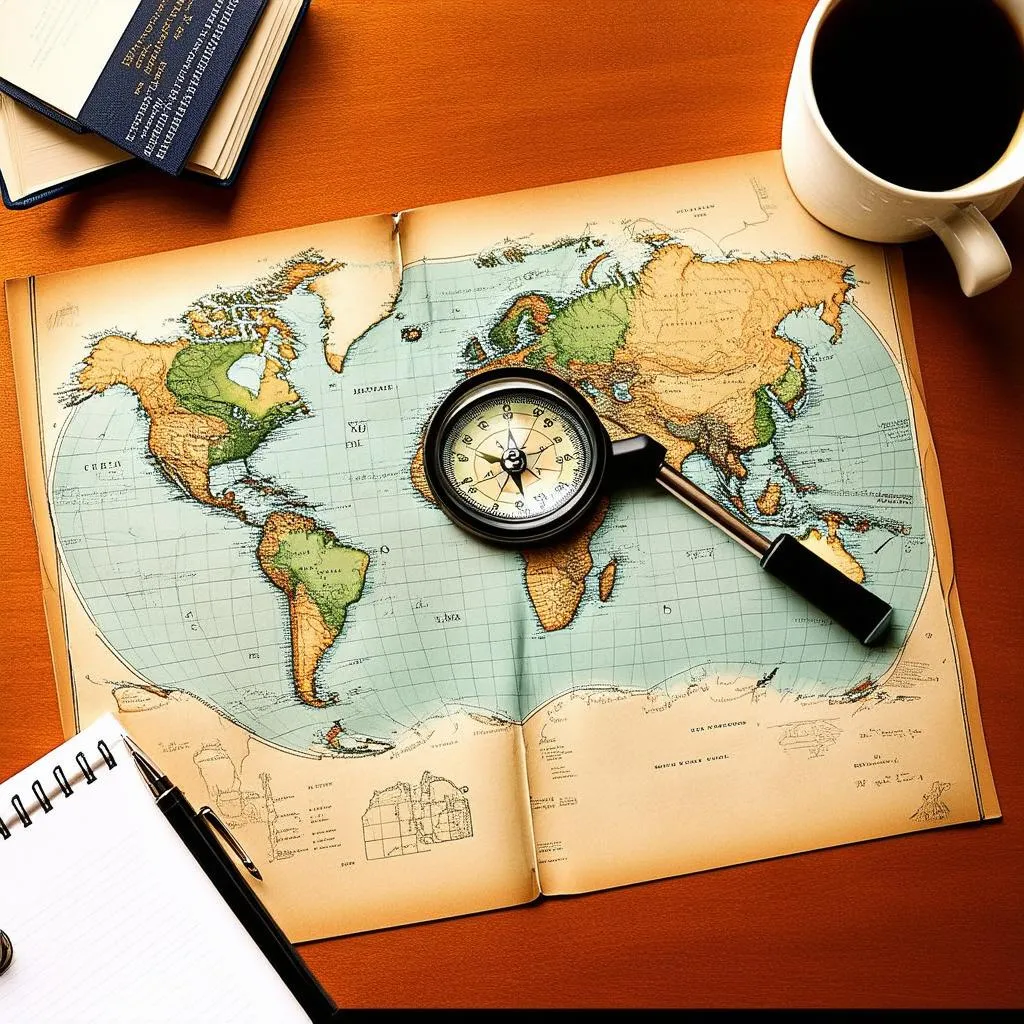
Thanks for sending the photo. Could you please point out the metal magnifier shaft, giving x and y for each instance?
(690, 494)
(853, 606)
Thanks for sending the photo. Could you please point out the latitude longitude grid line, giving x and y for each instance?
(843, 444)
(694, 575)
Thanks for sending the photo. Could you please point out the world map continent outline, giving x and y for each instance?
(686, 350)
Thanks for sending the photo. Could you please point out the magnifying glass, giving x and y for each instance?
(6, 952)
(519, 458)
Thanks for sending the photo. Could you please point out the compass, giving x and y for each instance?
(518, 457)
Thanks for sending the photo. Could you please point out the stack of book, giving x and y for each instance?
(89, 85)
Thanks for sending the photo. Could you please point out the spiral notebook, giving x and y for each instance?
(109, 916)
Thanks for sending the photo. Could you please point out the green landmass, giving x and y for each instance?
(587, 329)
(764, 422)
(504, 335)
(789, 387)
(247, 433)
(332, 573)
(198, 379)
(474, 351)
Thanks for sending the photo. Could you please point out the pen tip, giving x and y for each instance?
(155, 779)
(255, 872)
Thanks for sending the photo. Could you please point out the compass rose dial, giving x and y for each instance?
(516, 455)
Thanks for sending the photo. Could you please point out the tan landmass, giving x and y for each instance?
(180, 440)
(830, 547)
(200, 323)
(588, 271)
(264, 319)
(606, 581)
(335, 360)
(536, 308)
(346, 322)
(556, 575)
(133, 697)
(770, 500)
(311, 636)
(701, 341)
(302, 272)
(274, 388)
(418, 477)
(798, 484)
(699, 348)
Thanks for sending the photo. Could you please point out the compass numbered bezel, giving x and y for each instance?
(490, 386)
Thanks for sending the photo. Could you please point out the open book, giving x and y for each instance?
(241, 555)
(41, 157)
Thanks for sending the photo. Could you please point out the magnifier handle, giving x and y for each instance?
(853, 606)
(634, 460)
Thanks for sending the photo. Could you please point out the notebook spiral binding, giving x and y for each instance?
(44, 800)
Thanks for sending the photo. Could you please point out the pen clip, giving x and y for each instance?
(222, 830)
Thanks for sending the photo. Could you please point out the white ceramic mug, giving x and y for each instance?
(848, 198)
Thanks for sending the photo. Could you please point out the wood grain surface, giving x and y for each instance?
(399, 103)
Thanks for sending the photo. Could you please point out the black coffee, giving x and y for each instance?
(926, 94)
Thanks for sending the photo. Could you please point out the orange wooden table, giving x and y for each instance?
(400, 103)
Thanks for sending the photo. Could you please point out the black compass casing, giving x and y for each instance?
(536, 530)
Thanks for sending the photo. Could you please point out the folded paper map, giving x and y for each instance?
(242, 559)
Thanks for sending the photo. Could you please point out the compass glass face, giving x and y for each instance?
(517, 455)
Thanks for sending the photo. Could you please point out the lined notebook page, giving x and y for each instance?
(110, 917)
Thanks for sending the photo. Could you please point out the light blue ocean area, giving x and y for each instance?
(445, 622)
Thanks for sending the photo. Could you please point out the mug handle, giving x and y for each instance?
(978, 253)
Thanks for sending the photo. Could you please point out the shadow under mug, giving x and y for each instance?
(848, 198)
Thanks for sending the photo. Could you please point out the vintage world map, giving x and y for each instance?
(277, 553)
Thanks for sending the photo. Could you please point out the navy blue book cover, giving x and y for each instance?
(73, 185)
(160, 84)
(30, 101)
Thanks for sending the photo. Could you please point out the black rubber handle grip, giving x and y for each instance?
(854, 607)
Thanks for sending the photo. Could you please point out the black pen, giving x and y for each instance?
(196, 830)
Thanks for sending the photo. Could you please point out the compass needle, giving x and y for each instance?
(546, 456)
